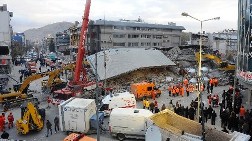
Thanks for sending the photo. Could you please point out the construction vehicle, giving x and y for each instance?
(222, 65)
(31, 119)
(144, 89)
(54, 82)
(80, 82)
(20, 94)
(78, 137)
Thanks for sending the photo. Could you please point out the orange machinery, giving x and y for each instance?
(144, 89)
(78, 137)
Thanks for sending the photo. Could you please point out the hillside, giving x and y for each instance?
(39, 33)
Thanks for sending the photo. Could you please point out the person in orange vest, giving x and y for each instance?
(186, 82)
(215, 80)
(169, 90)
(173, 91)
(242, 111)
(181, 91)
(177, 91)
(10, 119)
(211, 85)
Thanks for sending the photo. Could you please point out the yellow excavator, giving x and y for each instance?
(31, 119)
(20, 93)
(54, 82)
(222, 65)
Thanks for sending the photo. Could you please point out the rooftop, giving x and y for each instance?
(124, 60)
(138, 24)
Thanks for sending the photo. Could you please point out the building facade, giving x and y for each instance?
(244, 50)
(62, 41)
(124, 33)
(5, 39)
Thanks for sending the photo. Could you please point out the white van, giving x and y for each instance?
(117, 100)
(129, 123)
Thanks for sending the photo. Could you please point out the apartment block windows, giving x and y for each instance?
(134, 44)
(145, 44)
(145, 36)
(119, 35)
(156, 44)
(133, 36)
(157, 36)
(119, 44)
(119, 27)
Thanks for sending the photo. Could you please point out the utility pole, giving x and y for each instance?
(96, 99)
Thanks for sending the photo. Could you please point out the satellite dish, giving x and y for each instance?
(204, 69)
(192, 71)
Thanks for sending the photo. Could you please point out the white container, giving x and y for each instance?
(75, 114)
(117, 100)
(129, 123)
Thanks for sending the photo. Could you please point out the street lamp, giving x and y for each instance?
(199, 69)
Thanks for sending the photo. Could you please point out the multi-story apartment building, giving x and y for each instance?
(5, 39)
(62, 41)
(125, 33)
(244, 50)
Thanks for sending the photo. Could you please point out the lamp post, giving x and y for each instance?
(200, 106)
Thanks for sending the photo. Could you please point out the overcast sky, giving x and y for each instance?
(37, 13)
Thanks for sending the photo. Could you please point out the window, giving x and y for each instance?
(118, 35)
(133, 44)
(157, 36)
(119, 27)
(118, 44)
(149, 88)
(133, 36)
(145, 36)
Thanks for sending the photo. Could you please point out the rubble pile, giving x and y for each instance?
(157, 75)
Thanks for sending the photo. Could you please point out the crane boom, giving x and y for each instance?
(81, 48)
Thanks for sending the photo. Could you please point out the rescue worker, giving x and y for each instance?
(152, 106)
(215, 82)
(3, 116)
(144, 103)
(174, 91)
(242, 111)
(1, 123)
(177, 91)
(48, 127)
(147, 104)
(10, 120)
(153, 94)
(185, 82)
(169, 90)
(181, 91)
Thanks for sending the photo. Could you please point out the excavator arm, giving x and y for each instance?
(25, 124)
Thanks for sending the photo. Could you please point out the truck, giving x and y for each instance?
(75, 114)
(145, 89)
(117, 100)
(129, 123)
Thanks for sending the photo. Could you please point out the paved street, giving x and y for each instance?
(53, 111)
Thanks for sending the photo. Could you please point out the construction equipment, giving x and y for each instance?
(77, 86)
(144, 89)
(222, 65)
(31, 119)
(54, 82)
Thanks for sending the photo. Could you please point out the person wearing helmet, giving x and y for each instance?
(10, 119)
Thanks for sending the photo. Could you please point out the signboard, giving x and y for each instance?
(246, 76)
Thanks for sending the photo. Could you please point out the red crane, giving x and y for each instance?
(81, 49)
(75, 87)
